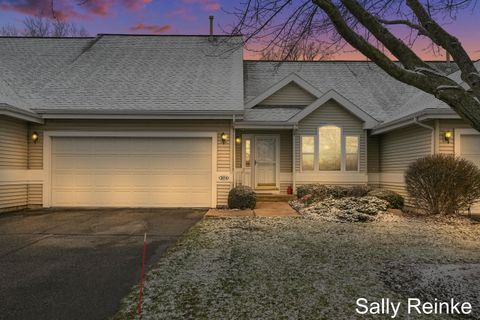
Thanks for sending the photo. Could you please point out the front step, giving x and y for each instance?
(266, 197)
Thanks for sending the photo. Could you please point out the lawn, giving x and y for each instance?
(300, 268)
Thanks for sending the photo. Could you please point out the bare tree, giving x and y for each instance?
(37, 26)
(306, 51)
(41, 26)
(374, 28)
(9, 30)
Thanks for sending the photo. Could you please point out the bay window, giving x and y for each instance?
(330, 150)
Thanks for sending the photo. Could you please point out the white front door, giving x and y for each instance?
(265, 161)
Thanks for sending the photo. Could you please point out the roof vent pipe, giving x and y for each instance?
(211, 28)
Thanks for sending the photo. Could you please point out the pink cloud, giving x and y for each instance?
(183, 13)
(206, 5)
(150, 28)
(68, 9)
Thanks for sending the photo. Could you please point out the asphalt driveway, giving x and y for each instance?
(78, 264)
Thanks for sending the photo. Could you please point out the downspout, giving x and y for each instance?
(233, 142)
(432, 129)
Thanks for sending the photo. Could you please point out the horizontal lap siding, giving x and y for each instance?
(13, 144)
(331, 113)
(289, 95)
(13, 156)
(401, 147)
(223, 150)
(398, 149)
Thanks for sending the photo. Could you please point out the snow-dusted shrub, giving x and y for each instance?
(242, 197)
(394, 200)
(443, 184)
(319, 192)
(352, 209)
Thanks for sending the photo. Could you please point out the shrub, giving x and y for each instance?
(443, 184)
(320, 192)
(395, 201)
(242, 197)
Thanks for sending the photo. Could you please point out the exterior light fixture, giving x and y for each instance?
(35, 136)
(238, 140)
(224, 137)
(448, 135)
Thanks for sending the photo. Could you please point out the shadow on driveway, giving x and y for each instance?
(79, 264)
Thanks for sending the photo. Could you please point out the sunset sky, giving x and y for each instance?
(184, 17)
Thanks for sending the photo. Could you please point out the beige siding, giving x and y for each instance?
(13, 196)
(373, 154)
(398, 149)
(401, 147)
(223, 150)
(13, 156)
(331, 113)
(35, 194)
(289, 95)
(13, 144)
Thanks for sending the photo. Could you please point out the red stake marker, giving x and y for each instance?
(142, 276)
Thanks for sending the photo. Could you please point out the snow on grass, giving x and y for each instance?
(299, 268)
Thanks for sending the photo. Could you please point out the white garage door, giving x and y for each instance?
(470, 150)
(132, 172)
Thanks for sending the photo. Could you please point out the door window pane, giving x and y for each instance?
(308, 152)
(247, 153)
(351, 153)
(330, 148)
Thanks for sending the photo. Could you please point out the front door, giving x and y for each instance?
(265, 161)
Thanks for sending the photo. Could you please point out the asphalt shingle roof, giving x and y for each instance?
(139, 73)
(149, 73)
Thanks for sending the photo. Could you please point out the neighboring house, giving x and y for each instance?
(177, 121)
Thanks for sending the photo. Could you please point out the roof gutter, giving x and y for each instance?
(140, 114)
(14, 112)
(415, 118)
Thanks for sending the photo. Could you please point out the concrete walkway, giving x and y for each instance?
(262, 209)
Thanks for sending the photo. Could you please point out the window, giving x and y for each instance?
(308, 152)
(351, 153)
(247, 153)
(329, 148)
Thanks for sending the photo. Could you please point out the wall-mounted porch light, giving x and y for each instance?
(34, 136)
(238, 140)
(448, 135)
(224, 137)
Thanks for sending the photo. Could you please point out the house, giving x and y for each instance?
(177, 121)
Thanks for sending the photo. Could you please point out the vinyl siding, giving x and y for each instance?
(289, 95)
(13, 156)
(398, 149)
(223, 150)
(13, 144)
(332, 113)
(401, 147)
(34, 194)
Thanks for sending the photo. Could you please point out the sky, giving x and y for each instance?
(188, 17)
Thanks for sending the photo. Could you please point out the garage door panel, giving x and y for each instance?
(143, 172)
(470, 150)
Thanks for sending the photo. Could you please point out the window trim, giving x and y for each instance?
(358, 152)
